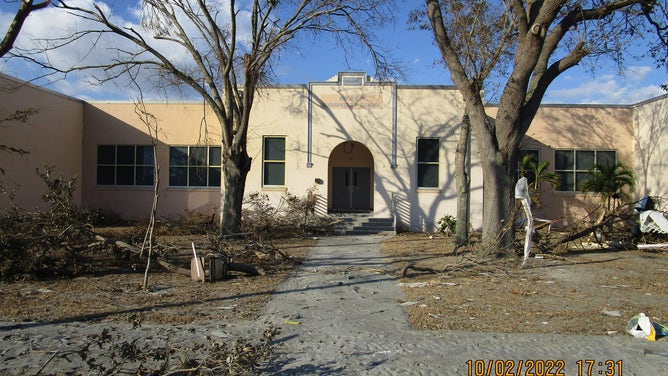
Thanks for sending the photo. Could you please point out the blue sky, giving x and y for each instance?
(320, 61)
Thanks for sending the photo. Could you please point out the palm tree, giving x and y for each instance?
(537, 172)
(613, 182)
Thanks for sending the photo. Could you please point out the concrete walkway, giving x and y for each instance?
(340, 316)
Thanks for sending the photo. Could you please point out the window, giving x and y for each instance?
(194, 166)
(273, 161)
(352, 80)
(125, 165)
(427, 162)
(530, 175)
(573, 166)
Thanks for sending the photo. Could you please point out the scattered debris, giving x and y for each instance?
(613, 313)
(640, 326)
(615, 286)
(653, 246)
(413, 284)
(373, 270)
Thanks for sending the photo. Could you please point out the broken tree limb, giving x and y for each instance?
(469, 262)
(243, 268)
(173, 268)
(117, 243)
(590, 229)
(408, 267)
(232, 266)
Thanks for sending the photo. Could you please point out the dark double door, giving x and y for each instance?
(351, 188)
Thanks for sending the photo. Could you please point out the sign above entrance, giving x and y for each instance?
(351, 101)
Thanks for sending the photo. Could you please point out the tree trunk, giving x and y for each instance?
(463, 181)
(498, 205)
(235, 171)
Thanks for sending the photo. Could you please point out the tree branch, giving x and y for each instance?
(26, 7)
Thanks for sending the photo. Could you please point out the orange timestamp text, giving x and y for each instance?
(541, 367)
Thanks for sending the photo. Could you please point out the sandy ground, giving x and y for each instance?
(343, 312)
(582, 292)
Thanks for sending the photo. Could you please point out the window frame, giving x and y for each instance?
(419, 176)
(575, 171)
(273, 162)
(520, 154)
(190, 163)
(352, 79)
(132, 166)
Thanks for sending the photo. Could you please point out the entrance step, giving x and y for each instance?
(363, 224)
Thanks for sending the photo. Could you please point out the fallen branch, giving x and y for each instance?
(408, 267)
(607, 221)
(469, 262)
(173, 268)
(170, 267)
(117, 243)
(243, 268)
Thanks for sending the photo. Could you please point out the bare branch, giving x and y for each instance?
(25, 8)
(221, 52)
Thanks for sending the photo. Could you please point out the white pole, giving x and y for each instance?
(196, 260)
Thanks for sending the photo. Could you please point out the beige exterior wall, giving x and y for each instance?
(578, 128)
(650, 141)
(356, 127)
(282, 113)
(51, 136)
(178, 124)
(350, 126)
(333, 132)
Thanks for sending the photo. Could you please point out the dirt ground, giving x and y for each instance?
(109, 290)
(583, 292)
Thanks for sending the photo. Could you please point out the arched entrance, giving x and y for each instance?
(350, 171)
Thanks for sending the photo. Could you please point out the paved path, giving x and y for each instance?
(340, 317)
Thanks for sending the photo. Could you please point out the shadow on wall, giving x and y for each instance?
(587, 127)
(321, 206)
(650, 140)
(404, 214)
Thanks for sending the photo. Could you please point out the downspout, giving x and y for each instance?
(393, 165)
(394, 126)
(309, 141)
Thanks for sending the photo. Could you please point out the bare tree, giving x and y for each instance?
(153, 128)
(550, 36)
(25, 8)
(482, 36)
(227, 53)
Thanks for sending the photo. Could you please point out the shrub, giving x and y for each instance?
(447, 225)
(293, 216)
(45, 242)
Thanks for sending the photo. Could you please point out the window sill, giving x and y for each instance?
(568, 193)
(275, 188)
(124, 187)
(185, 188)
(428, 190)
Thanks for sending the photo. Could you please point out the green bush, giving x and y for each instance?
(447, 225)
